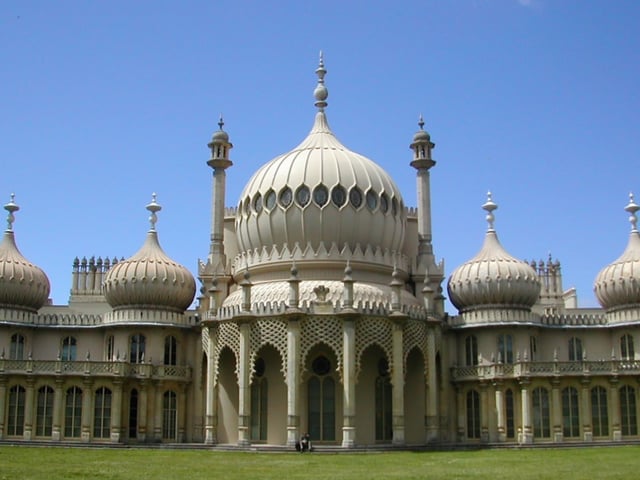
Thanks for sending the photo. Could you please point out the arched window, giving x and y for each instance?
(570, 413)
(505, 348)
(627, 352)
(69, 349)
(169, 415)
(16, 349)
(541, 424)
(102, 413)
(383, 402)
(133, 414)
(473, 414)
(628, 416)
(575, 349)
(533, 348)
(15, 417)
(259, 401)
(599, 412)
(321, 397)
(73, 413)
(471, 350)
(170, 347)
(137, 348)
(510, 411)
(109, 351)
(44, 412)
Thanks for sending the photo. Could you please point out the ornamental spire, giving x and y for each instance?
(321, 93)
(153, 207)
(489, 207)
(632, 208)
(11, 207)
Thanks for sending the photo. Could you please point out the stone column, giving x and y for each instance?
(157, 411)
(3, 400)
(526, 436)
(484, 412)
(58, 410)
(182, 412)
(586, 411)
(28, 409)
(556, 411)
(244, 387)
(461, 408)
(142, 412)
(500, 411)
(432, 420)
(614, 410)
(293, 381)
(349, 383)
(87, 410)
(211, 420)
(116, 411)
(397, 379)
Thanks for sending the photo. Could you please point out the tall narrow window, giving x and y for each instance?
(627, 352)
(73, 413)
(137, 348)
(599, 412)
(575, 349)
(102, 413)
(170, 347)
(16, 349)
(473, 414)
(510, 409)
(541, 423)
(110, 349)
(505, 348)
(69, 349)
(383, 401)
(169, 416)
(533, 348)
(44, 412)
(570, 413)
(259, 401)
(15, 417)
(628, 416)
(133, 414)
(471, 350)
(321, 397)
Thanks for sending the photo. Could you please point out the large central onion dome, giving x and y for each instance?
(617, 286)
(23, 285)
(150, 279)
(320, 194)
(493, 279)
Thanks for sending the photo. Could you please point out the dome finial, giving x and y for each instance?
(489, 207)
(11, 207)
(153, 207)
(632, 208)
(421, 122)
(221, 122)
(321, 93)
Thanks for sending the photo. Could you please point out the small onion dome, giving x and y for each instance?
(493, 278)
(150, 279)
(421, 136)
(220, 136)
(618, 284)
(23, 285)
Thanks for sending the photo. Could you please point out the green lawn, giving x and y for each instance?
(25, 462)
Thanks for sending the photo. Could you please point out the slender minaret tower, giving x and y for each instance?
(216, 265)
(427, 271)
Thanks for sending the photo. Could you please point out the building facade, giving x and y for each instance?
(320, 309)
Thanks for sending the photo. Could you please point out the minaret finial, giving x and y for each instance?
(632, 208)
(11, 207)
(153, 207)
(489, 207)
(321, 93)
(221, 122)
(421, 122)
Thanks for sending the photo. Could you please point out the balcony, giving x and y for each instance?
(501, 371)
(87, 368)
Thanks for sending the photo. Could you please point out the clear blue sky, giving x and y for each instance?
(104, 102)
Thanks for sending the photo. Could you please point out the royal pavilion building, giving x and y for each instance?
(320, 308)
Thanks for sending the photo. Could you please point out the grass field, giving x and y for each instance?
(52, 463)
